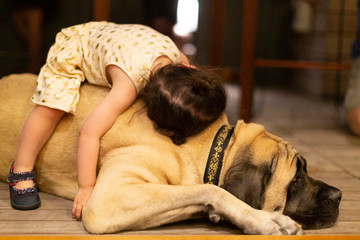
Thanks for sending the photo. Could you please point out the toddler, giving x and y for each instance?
(131, 60)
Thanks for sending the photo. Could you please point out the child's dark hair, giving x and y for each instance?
(183, 101)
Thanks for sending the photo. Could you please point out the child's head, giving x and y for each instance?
(183, 101)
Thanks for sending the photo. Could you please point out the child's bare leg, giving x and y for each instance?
(353, 117)
(37, 130)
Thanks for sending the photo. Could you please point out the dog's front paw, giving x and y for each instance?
(271, 223)
(213, 216)
(286, 224)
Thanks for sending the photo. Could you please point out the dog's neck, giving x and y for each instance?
(216, 154)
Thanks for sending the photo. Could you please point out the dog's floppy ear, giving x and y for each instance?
(283, 171)
(247, 182)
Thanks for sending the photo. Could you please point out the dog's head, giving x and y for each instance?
(267, 173)
(311, 202)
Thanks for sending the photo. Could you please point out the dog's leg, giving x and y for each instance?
(146, 205)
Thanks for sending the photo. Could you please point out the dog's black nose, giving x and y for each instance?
(334, 195)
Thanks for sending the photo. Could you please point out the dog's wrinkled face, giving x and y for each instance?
(310, 202)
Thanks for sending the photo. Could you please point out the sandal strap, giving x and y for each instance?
(22, 176)
(25, 190)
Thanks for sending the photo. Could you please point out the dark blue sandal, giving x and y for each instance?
(23, 199)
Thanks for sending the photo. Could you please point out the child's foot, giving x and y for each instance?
(23, 191)
(25, 184)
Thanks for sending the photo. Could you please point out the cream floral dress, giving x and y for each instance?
(83, 51)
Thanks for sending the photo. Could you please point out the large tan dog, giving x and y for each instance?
(144, 180)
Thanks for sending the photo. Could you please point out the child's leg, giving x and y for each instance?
(37, 130)
(353, 117)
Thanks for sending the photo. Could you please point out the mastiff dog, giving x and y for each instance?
(241, 174)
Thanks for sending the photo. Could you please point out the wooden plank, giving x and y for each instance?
(350, 205)
(340, 228)
(351, 196)
(36, 215)
(349, 215)
(21, 227)
(181, 237)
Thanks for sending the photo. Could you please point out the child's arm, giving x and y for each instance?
(185, 61)
(120, 97)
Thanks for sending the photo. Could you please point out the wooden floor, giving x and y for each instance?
(312, 126)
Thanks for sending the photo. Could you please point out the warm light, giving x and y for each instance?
(187, 17)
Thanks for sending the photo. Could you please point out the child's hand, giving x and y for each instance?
(80, 201)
